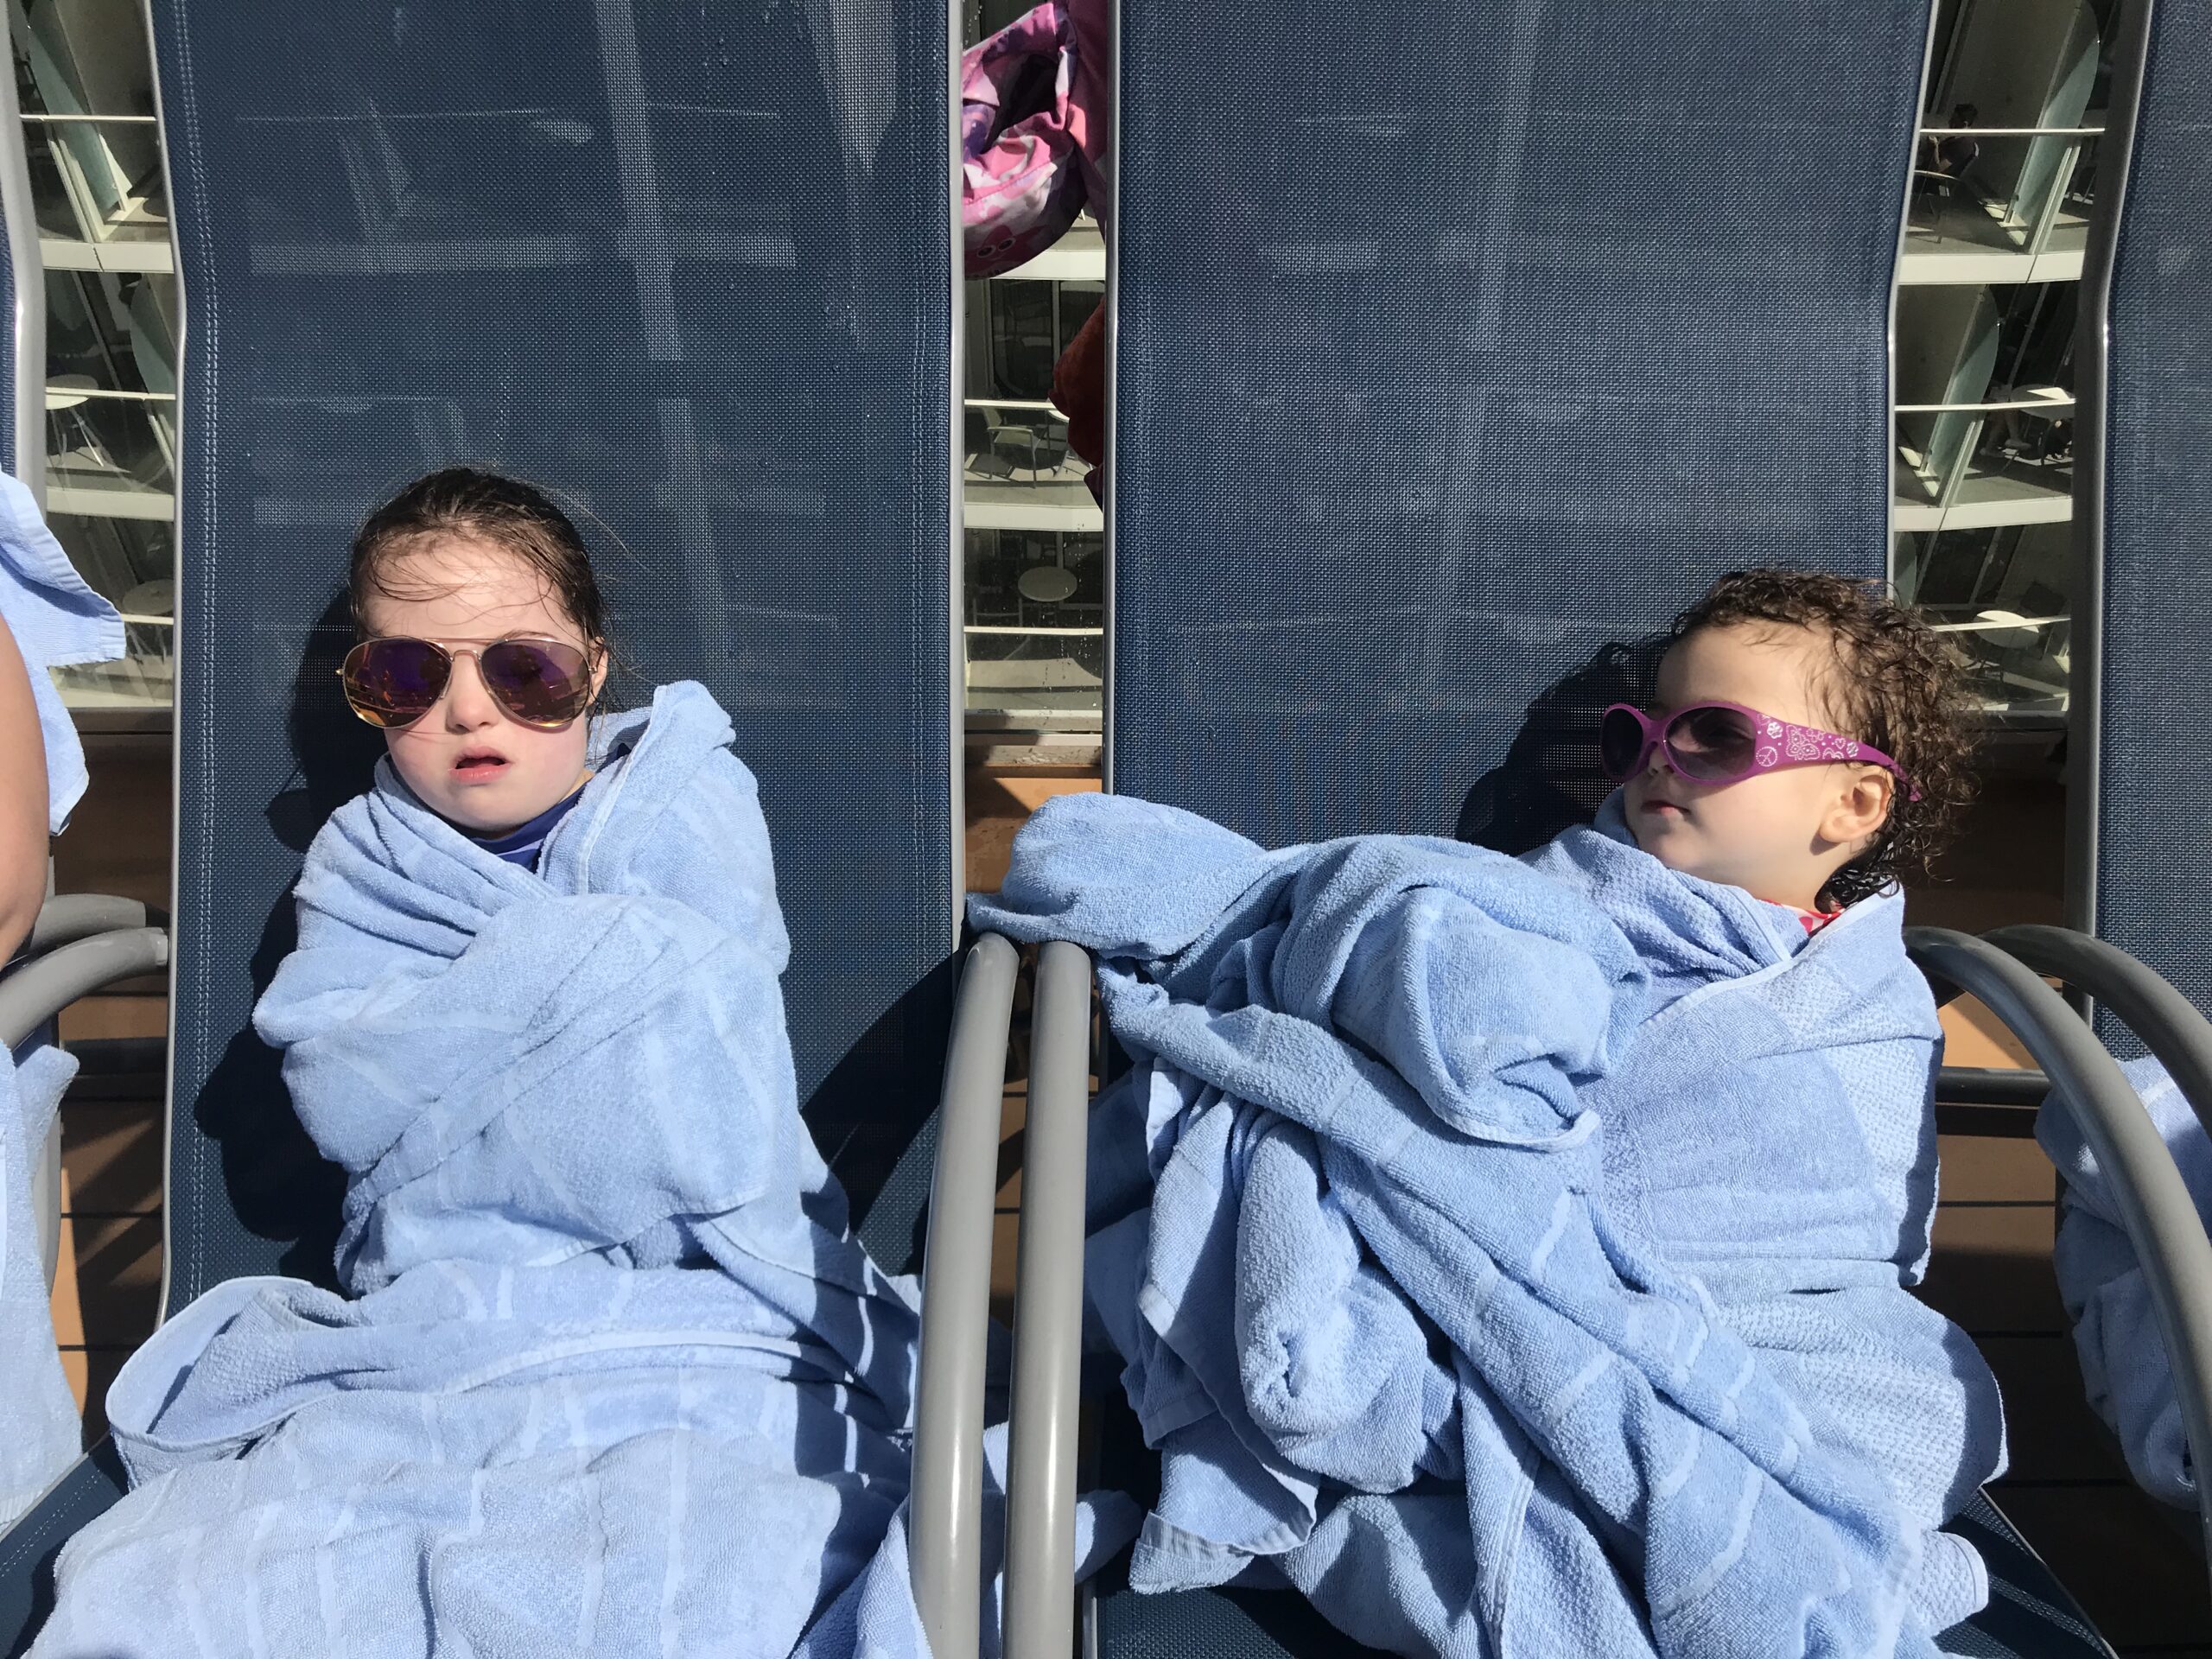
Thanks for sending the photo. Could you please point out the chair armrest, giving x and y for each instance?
(1040, 1616)
(69, 917)
(2160, 1219)
(39, 989)
(945, 1522)
(2166, 1022)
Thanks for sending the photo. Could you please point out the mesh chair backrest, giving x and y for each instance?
(1458, 341)
(2152, 800)
(691, 266)
(7, 457)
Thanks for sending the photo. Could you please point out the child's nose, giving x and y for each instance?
(469, 705)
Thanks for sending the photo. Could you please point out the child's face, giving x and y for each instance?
(1779, 835)
(465, 760)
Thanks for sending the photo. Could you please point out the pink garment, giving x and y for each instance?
(1035, 108)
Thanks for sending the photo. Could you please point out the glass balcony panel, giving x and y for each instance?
(2000, 595)
(2024, 194)
(109, 453)
(115, 330)
(1035, 629)
(97, 184)
(131, 563)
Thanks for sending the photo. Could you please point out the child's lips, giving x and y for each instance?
(479, 766)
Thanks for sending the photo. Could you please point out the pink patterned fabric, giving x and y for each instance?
(1033, 111)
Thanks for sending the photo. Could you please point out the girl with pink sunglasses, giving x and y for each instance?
(1806, 741)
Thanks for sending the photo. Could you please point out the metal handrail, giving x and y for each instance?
(2155, 1208)
(944, 1523)
(1045, 1406)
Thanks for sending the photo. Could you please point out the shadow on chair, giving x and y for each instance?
(280, 1186)
(1550, 777)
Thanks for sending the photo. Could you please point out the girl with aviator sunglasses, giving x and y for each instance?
(559, 1081)
(483, 646)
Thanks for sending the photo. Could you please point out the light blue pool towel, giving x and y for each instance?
(2123, 1367)
(1511, 1254)
(56, 622)
(39, 1432)
(614, 1378)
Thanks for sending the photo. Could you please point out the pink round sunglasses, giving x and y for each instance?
(1725, 743)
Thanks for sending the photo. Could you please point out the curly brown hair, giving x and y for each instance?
(1890, 682)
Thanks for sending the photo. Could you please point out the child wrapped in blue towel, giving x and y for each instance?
(614, 1377)
(1513, 1256)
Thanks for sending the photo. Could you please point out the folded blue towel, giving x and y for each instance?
(2116, 1337)
(58, 622)
(39, 1432)
(1511, 1254)
(615, 1378)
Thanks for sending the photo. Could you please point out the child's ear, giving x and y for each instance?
(600, 664)
(1861, 808)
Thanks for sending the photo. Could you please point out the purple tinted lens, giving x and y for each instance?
(1710, 745)
(539, 681)
(1620, 743)
(395, 682)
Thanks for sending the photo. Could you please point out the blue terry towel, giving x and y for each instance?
(614, 1378)
(58, 622)
(39, 1431)
(2124, 1367)
(1512, 1256)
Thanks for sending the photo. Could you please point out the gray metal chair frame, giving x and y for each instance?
(2005, 972)
(81, 943)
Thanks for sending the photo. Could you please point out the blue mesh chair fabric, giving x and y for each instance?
(8, 360)
(2153, 804)
(691, 267)
(1494, 333)
(1482, 338)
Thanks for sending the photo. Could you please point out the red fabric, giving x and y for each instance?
(1079, 393)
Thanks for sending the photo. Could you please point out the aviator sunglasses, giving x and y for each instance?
(1725, 743)
(394, 681)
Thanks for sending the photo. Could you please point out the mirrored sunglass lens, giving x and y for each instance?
(1620, 740)
(1710, 743)
(391, 682)
(541, 684)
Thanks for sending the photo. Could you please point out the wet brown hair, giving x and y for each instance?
(1890, 682)
(519, 518)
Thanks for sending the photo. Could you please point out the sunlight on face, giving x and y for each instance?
(465, 760)
(1778, 835)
